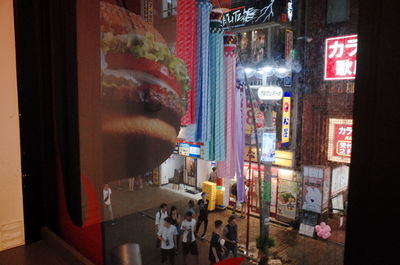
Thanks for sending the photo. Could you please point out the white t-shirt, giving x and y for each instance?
(107, 196)
(160, 218)
(188, 226)
(167, 234)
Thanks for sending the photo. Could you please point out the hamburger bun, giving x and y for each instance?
(143, 94)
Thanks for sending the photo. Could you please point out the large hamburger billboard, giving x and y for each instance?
(143, 93)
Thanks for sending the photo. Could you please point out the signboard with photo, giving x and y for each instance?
(188, 149)
(287, 197)
(268, 147)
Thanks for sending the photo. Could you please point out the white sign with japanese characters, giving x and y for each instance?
(341, 58)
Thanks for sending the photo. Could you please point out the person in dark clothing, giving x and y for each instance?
(235, 195)
(203, 216)
(176, 221)
(231, 237)
(215, 253)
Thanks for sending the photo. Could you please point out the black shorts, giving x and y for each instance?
(168, 254)
(192, 247)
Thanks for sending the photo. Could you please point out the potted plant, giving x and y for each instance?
(263, 245)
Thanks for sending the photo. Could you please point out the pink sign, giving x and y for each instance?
(341, 58)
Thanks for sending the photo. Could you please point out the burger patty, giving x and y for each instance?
(143, 101)
(132, 155)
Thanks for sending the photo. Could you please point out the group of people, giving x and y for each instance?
(172, 230)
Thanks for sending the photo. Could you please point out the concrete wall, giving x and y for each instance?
(203, 171)
(11, 204)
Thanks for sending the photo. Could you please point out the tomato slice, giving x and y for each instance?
(126, 61)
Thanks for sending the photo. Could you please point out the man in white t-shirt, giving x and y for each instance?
(167, 235)
(161, 214)
(107, 202)
(188, 239)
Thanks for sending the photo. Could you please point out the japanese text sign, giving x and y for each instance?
(340, 139)
(286, 118)
(341, 58)
(268, 147)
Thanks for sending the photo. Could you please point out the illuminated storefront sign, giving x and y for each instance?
(243, 16)
(286, 108)
(257, 12)
(290, 10)
(187, 149)
(340, 139)
(341, 58)
(270, 93)
(268, 147)
(283, 158)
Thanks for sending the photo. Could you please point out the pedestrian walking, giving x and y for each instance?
(203, 216)
(161, 214)
(233, 191)
(107, 203)
(176, 221)
(131, 183)
(243, 210)
(167, 237)
(216, 244)
(188, 239)
(231, 237)
(190, 208)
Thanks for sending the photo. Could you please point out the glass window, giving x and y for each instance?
(338, 11)
(168, 8)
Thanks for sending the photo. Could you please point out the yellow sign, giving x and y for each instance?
(286, 108)
(283, 158)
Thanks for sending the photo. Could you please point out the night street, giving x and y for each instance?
(291, 248)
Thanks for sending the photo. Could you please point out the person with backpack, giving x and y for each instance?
(167, 236)
(176, 221)
(162, 213)
(188, 239)
(231, 237)
(203, 216)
